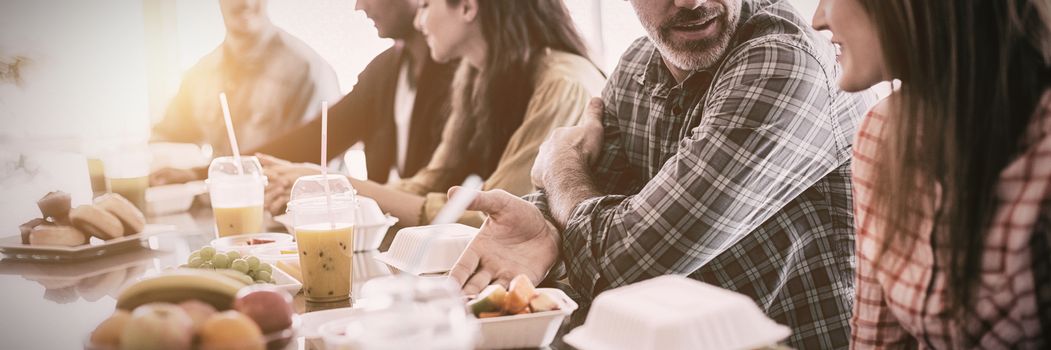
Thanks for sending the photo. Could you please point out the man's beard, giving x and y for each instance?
(691, 55)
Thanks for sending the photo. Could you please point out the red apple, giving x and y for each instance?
(270, 309)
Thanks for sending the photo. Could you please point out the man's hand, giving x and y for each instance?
(168, 176)
(579, 144)
(515, 239)
(281, 175)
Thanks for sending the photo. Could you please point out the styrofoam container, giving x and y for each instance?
(171, 199)
(240, 244)
(399, 327)
(674, 312)
(535, 330)
(369, 230)
(438, 247)
(271, 253)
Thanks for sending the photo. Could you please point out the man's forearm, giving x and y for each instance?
(566, 185)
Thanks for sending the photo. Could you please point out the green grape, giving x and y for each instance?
(195, 262)
(266, 267)
(207, 253)
(206, 265)
(233, 255)
(195, 254)
(262, 276)
(221, 261)
(253, 262)
(240, 265)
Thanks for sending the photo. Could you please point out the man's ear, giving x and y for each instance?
(469, 10)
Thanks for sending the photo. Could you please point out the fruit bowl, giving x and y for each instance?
(274, 340)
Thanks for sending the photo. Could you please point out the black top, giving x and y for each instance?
(367, 114)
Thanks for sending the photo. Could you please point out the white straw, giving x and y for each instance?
(457, 204)
(324, 162)
(450, 213)
(230, 133)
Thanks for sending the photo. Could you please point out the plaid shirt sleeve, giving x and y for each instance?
(761, 142)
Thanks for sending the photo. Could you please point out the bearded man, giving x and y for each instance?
(720, 150)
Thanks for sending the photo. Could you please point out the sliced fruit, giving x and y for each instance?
(520, 293)
(291, 268)
(542, 302)
(491, 299)
(490, 314)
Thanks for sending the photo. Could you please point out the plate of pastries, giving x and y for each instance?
(109, 224)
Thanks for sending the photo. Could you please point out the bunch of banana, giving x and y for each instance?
(217, 288)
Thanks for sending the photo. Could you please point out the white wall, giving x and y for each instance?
(86, 74)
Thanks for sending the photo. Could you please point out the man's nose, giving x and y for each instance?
(690, 4)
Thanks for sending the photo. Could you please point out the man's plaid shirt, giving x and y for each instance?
(738, 177)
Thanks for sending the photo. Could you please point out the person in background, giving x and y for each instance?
(273, 82)
(523, 73)
(720, 150)
(952, 172)
(397, 109)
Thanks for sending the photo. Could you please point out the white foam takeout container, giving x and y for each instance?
(438, 247)
(535, 330)
(240, 244)
(675, 312)
(369, 230)
(171, 199)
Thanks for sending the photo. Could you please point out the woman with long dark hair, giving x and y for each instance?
(952, 172)
(524, 71)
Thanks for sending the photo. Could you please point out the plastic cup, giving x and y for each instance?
(237, 198)
(323, 218)
(127, 173)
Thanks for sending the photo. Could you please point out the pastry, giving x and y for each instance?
(55, 205)
(27, 227)
(130, 216)
(96, 222)
(48, 234)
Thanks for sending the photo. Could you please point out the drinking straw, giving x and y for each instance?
(230, 133)
(457, 204)
(450, 213)
(324, 163)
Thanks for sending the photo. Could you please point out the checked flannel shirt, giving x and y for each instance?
(738, 177)
(902, 293)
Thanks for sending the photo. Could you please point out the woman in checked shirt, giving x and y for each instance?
(952, 172)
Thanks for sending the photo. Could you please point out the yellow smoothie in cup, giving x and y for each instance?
(132, 188)
(238, 220)
(325, 260)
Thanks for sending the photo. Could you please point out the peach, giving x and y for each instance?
(231, 330)
(107, 334)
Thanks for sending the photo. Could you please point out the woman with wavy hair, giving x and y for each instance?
(952, 172)
(524, 71)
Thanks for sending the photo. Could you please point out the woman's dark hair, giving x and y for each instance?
(972, 73)
(494, 99)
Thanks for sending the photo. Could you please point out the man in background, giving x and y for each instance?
(397, 110)
(273, 81)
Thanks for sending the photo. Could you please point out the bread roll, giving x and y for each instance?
(56, 235)
(96, 222)
(130, 216)
(27, 227)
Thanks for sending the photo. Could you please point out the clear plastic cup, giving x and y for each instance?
(237, 195)
(324, 228)
(127, 173)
